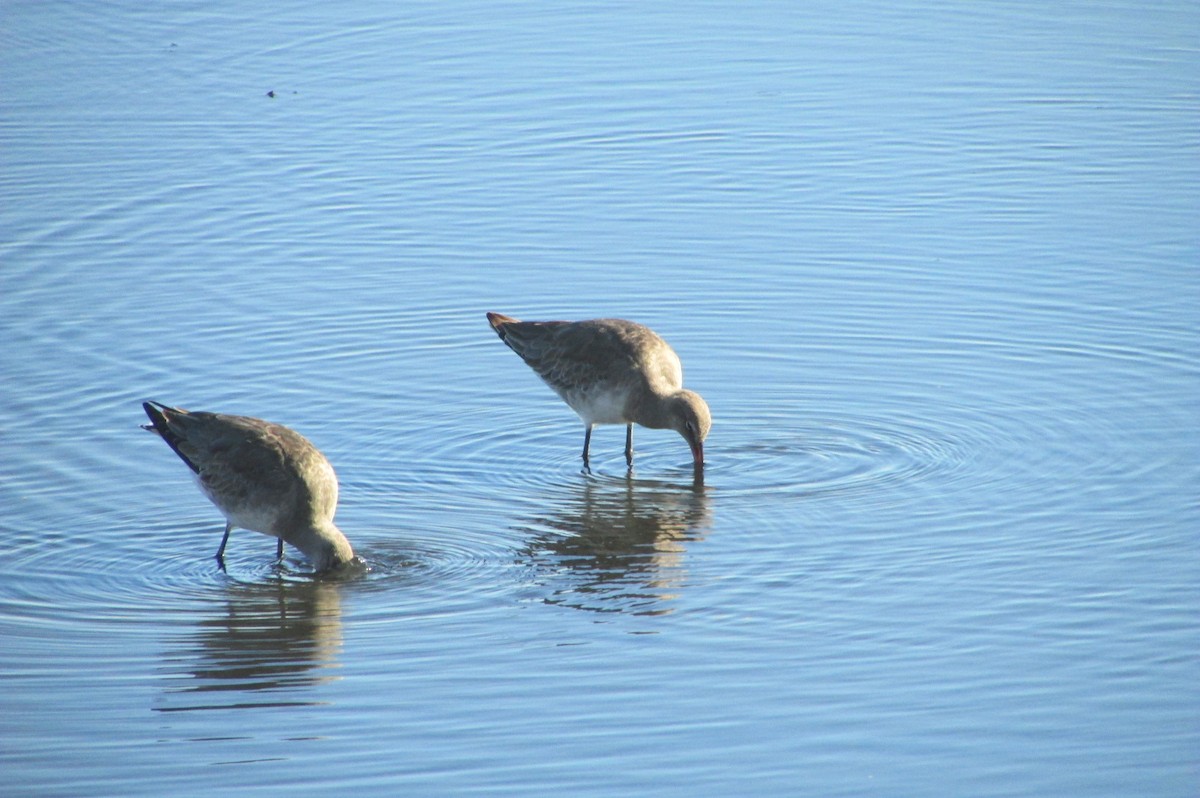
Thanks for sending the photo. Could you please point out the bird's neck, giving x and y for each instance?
(652, 409)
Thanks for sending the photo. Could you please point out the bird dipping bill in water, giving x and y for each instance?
(261, 476)
(611, 371)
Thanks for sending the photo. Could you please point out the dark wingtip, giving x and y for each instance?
(158, 421)
(160, 424)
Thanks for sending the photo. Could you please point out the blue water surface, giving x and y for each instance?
(934, 268)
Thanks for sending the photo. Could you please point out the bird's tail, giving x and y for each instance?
(499, 322)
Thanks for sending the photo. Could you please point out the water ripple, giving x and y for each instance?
(828, 455)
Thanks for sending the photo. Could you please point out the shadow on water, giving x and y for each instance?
(269, 641)
(618, 545)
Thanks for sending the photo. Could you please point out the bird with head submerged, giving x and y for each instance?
(611, 371)
(261, 476)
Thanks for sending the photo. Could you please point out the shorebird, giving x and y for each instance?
(611, 371)
(261, 476)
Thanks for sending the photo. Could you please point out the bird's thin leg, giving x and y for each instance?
(221, 548)
(629, 445)
(279, 551)
(587, 442)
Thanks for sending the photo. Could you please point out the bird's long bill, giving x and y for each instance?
(698, 455)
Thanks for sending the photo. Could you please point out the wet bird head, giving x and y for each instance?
(691, 418)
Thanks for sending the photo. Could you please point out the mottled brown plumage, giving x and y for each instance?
(611, 371)
(261, 476)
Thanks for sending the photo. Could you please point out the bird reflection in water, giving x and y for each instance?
(619, 546)
(270, 646)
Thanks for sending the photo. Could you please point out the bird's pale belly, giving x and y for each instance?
(598, 406)
(244, 516)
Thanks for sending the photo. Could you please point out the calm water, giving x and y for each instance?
(936, 271)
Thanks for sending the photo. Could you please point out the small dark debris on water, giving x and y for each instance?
(271, 93)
